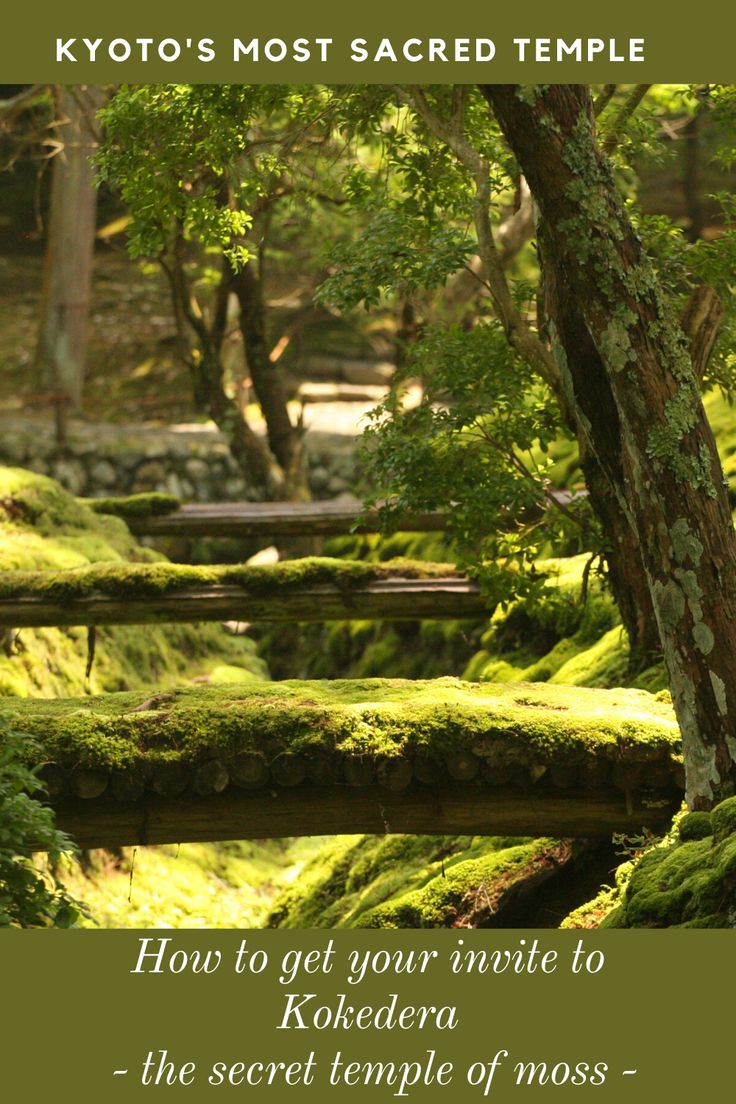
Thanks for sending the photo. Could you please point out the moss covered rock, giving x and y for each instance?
(687, 881)
(45, 530)
(395, 881)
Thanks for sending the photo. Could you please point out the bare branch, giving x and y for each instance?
(10, 109)
(519, 334)
(700, 322)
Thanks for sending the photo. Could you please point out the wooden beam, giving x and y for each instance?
(318, 810)
(391, 599)
(277, 519)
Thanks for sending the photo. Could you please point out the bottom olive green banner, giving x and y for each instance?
(307, 1015)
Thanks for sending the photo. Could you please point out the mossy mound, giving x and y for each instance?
(429, 882)
(45, 530)
(571, 635)
(350, 874)
(534, 727)
(467, 894)
(42, 527)
(686, 880)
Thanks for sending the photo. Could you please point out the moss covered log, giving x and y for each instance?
(422, 882)
(136, 508)
(349, 756)
(310, 589)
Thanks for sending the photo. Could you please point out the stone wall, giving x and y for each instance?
(190, 461)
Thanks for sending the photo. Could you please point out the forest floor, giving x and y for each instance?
(133, 373)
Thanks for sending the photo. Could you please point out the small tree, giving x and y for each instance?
(212, 176)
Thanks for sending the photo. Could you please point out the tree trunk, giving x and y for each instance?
(284, 438)
(666, 472)
(207, 373)
(67, 278)
(621, 545)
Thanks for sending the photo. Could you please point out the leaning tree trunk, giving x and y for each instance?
(67, 281)
(670, 486)
(621, 549)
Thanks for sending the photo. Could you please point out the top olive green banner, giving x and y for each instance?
(83, 41)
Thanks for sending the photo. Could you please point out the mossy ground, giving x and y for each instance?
(572, 636)
(687, 881)
(226, 885)
(45, 530)
(372, 881)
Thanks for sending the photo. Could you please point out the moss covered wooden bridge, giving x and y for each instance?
(372, 756)
(309, 589)
(161, 515)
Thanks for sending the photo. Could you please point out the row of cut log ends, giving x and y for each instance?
(250, 770)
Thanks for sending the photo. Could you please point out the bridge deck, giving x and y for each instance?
(311, 589)
(277, 519)
(156, 515)
(306, 758)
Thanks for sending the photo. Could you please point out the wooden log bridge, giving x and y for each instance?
(158, 515)
(274, 520)
(345, 756)
(310, 589)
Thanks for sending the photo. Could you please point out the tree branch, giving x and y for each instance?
(16, 105)
(701, 320)
(604, 98)
(452, 134)
(622, 116)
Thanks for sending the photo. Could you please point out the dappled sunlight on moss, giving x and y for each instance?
(355, 881)
(223, 885)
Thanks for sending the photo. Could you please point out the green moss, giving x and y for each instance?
(151, 580)
(723, 819)
(688, 881)
(349, 878)
(562, 637)
(43, 527)
(226, 885)
(604, 663)
(377, 717)
(150, 504)
(456, 890)
(695, 826)
(375, 649)
(369, 649)
(592, 913)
